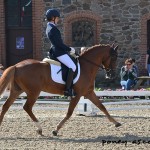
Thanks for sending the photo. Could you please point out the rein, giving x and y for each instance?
(89, 61)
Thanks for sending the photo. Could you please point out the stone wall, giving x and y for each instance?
(123, 21)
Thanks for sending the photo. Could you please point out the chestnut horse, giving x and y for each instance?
(32, 77)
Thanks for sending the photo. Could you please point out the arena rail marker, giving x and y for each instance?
(85, 107)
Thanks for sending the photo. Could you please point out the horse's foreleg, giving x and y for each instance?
(28, 108)
(71, 108)
(93, 98)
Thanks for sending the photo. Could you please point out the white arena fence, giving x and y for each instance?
(113, 101)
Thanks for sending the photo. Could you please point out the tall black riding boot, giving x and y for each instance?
(69, 83)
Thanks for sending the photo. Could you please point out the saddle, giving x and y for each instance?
(63, 69)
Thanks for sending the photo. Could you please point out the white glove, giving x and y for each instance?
(72, 50)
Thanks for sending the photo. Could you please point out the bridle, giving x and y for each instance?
(91, 62)
(113, 57)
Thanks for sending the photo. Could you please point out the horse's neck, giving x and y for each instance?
(90, 63)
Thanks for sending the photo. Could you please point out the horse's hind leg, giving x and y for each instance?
(71, 108)
(8, 103)
(92, 96)
(31, 99)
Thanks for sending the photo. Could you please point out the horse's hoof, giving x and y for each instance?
(55, 133)
(118, 124)
(39, 132)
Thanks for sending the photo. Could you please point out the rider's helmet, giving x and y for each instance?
(52, 13)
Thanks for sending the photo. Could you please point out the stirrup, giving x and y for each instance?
(70, 92)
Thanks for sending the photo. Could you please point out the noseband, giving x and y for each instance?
(99, 66)
(113, 56)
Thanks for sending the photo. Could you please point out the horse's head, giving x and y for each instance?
(110, 62)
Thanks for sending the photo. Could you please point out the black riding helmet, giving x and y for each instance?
(52, 13)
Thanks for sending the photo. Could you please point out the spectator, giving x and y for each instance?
(147, 62)
(1, 72)
(128, 75)
(1, 69)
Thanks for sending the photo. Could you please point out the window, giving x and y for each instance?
(66, 2)
(19, 13)
(83, 33)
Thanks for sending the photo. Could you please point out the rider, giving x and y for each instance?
(59, 50)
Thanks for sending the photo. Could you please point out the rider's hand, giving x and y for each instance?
(72, 50)
(126, 68)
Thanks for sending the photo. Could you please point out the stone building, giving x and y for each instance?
(83, 23)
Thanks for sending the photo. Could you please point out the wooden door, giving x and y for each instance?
(19, 44)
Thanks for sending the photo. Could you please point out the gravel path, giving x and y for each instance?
(17, 131)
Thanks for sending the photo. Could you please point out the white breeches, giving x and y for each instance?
(66, 60)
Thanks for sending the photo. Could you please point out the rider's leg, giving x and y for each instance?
(66, 60)
(69, 84)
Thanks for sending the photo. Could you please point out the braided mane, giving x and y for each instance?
(92, 47)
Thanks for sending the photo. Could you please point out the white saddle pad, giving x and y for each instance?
(57, 77)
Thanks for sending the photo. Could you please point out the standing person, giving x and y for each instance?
(1, 69)
(1, 72)
(147, 62)
(59, 50)
(128, 75)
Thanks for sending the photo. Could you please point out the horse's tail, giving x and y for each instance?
(6, 78)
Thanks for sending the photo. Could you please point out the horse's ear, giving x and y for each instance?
(116, 48)
(113, 45)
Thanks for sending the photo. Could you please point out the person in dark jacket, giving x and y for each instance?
(59, 50)
(128, 75)
(147, 63)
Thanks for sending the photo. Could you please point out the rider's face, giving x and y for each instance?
(56, 20)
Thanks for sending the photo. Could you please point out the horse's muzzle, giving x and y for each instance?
(110, 75)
